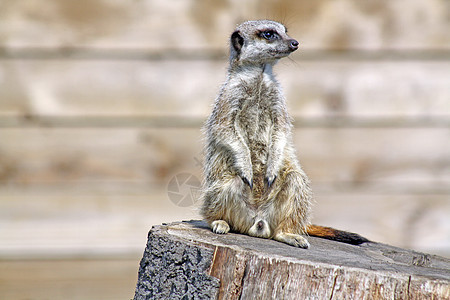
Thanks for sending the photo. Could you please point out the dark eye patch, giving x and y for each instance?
(269, 35)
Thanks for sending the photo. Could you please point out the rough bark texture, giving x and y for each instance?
(174, 269)
(187, 261)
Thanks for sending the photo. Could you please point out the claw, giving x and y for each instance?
(270, 181)
(247, 182)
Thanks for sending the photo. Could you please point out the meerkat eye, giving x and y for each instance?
(269, 35)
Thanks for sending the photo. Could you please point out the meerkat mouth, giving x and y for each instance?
(280, 54)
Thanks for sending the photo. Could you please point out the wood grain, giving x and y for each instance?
(250, 268)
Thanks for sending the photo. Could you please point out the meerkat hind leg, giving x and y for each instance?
(220, 227)
(292, 239)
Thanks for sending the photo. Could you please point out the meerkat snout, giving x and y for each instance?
(293, 45)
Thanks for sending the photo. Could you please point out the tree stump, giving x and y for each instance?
(185, 260)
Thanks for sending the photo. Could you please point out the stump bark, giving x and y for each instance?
(185, 260)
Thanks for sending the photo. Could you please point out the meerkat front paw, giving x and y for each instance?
(220, 227)
(295, 240)
(247, 178)
(248, 182)
(271, 174)
(270, 179)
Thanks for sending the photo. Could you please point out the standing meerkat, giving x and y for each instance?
(253, 182)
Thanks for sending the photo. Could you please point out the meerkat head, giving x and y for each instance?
(260, 42)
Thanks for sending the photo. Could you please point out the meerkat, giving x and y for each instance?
(253, 182)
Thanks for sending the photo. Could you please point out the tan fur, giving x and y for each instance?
(253, 183)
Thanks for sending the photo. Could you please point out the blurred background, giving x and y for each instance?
(101, 105)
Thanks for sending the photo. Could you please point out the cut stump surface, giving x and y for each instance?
(185, 260)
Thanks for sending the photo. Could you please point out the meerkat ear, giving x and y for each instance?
(237, 41)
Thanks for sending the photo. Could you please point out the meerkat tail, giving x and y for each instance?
(335, 235)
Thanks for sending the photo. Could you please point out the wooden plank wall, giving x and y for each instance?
(101, 104)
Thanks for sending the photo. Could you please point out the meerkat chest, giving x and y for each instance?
(258, 111)
(257, 114)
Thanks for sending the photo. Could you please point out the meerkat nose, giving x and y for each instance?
(293, 45)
